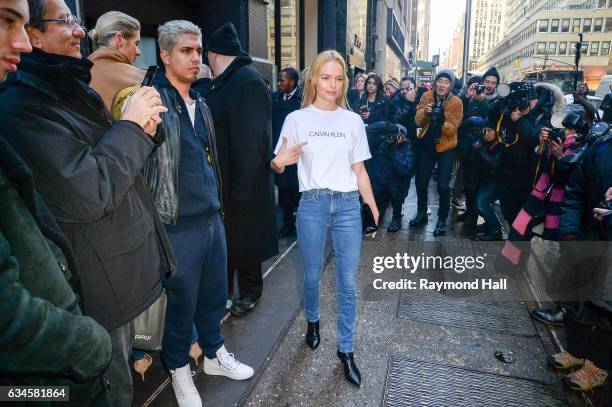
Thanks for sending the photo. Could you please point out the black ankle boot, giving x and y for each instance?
(351, 372)
(419, 220)
(440, 228)
(312, 335)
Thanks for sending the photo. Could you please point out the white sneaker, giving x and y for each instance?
(225, 365)
(184, 390)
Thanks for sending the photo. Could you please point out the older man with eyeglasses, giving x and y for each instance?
(88, 171)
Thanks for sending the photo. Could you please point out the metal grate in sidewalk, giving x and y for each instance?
(503, 317)
(417, 383)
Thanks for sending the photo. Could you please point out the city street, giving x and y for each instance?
(413, 347)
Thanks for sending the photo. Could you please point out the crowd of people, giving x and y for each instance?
(120, 188)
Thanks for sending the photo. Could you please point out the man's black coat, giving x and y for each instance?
(88, 171)
(241, 107)
(280, 110)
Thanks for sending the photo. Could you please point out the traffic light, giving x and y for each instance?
(517, 63)
(410, 57)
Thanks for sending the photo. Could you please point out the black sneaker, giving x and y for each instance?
(419, 220)
(243, 306)
(395, 225)
(440, 228)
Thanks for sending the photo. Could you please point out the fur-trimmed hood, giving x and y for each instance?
(555, 93)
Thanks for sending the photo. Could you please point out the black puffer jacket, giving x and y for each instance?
(88, 171)
(585, 191)
(402, 111)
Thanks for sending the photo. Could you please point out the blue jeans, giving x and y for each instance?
(425, 162)
(319, 211)
(487, 194)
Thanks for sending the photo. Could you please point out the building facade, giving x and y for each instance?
(541, 41)
(370, 34)
(487, 23)
(389, 42)
(422, 28)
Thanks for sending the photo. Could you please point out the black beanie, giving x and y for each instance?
(224, 40)
(491, 72)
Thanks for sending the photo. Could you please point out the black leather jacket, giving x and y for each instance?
(162, 168)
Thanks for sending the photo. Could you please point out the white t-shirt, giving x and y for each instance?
(336, 140)
(191, 109)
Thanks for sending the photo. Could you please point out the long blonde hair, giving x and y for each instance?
(310, 90)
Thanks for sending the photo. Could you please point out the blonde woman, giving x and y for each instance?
(117, 38)
(355, 94)
(329, 145)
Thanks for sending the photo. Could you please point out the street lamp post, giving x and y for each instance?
(416, 60)
(466, 39)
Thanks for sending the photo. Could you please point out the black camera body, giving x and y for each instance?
(557, 135)
(437, 111)
(480, 89)
(516, 95)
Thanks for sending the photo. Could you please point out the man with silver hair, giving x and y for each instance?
(188, 199)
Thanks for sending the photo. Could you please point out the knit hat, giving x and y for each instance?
(224, 40)
(447, 73)
(474, 79)
(491, 72)
(393, 82)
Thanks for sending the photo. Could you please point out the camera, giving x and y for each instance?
(364, 108)
(480, 89)
(437, 111)
(516, 95)
(557, 135)
(394, 136)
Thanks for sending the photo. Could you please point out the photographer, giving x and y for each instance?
(519, 117)
(585, 216)
(402, 110)
(606, 107)
(373, 104)
(389, 168)
(439, 114)
(555, 165)
(486, 153)
(478, 101)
